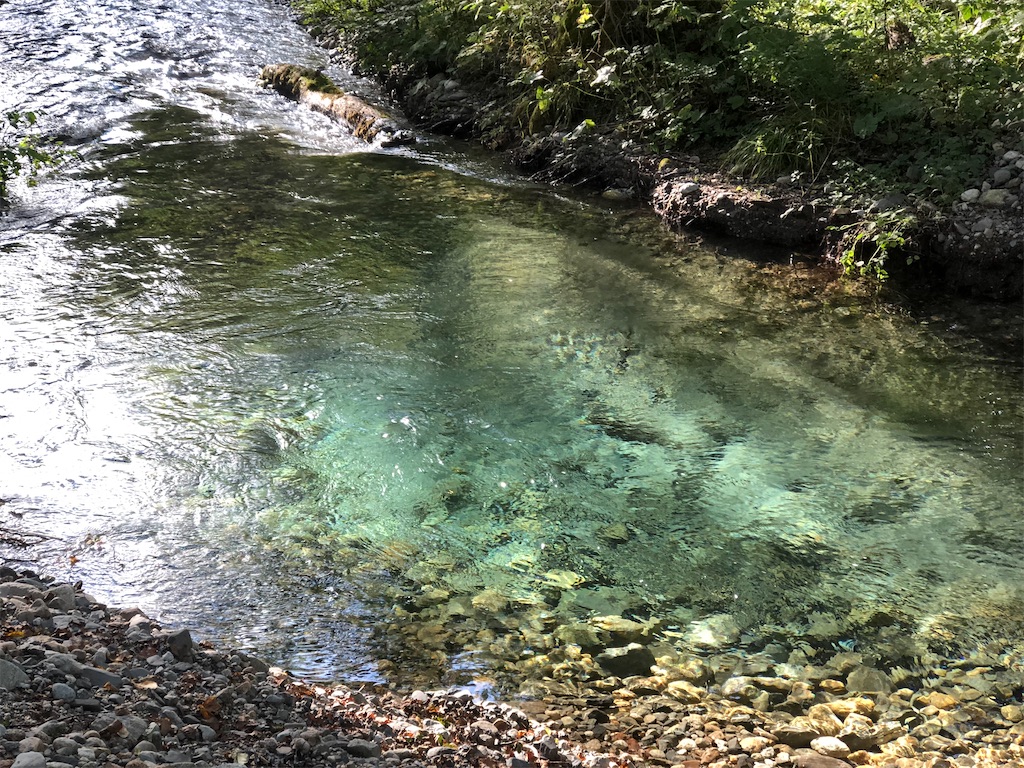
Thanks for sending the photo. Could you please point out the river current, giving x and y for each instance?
(399, 415)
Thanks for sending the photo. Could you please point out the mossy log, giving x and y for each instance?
(317, 91)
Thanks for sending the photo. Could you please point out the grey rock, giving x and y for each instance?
(363, 748)
(970, 195)
(994, 198)
(258, 665)
(29, 760)
(688, 188)
(982, 224)
(1000, 177)
(888, 203)
(60, 597)
(135, 728)
(63, 692)
(180, 644)
(65, 746)
(17, 589)
(51, 729)
(32, 744)
(632, 659)
(66, 663)
(11, 675)
(1012, 156)
(100, 677)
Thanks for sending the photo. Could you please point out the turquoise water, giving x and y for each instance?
(401, 416)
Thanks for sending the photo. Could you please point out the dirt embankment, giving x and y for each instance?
(974, 247)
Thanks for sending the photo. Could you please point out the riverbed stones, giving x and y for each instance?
(219, 705)
(865, 679)
(632, 659)
(11, 675)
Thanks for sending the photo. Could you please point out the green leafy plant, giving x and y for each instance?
(867, 245)
(22, 151)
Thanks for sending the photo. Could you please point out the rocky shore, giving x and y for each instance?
(85, 685)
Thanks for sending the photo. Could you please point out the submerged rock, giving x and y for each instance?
(632, 659)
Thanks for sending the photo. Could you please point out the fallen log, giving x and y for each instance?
(314, 89)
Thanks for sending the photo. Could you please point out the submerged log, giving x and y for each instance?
(314, 89)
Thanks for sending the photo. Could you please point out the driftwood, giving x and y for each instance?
(317, 91)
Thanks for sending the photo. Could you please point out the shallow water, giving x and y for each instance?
(397, 415)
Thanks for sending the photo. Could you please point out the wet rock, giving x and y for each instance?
(830, 746)
(684, 691)
(740, 688)
(623, 630)
(823, 720)
(632, 659)
(1012, 712)
(616, 533)
(715, 631)
(577, 633)
(810, 759)
(844, 707)
(795, 734)
(865, 679)
(619, 195)
(937, 699)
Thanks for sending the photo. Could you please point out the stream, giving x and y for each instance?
(402, 416)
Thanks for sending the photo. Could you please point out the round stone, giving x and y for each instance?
(63, 692)
(830, 746)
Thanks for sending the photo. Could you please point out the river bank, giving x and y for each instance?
(86, 685)
(973, 245)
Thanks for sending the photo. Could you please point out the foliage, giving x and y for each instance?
(868, 245)
(920, 87)
(21, 151)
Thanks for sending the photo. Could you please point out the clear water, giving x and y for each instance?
(394, 415)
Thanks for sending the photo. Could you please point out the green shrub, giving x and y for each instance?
(21, 150)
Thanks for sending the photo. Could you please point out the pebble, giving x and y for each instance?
(203, 705)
